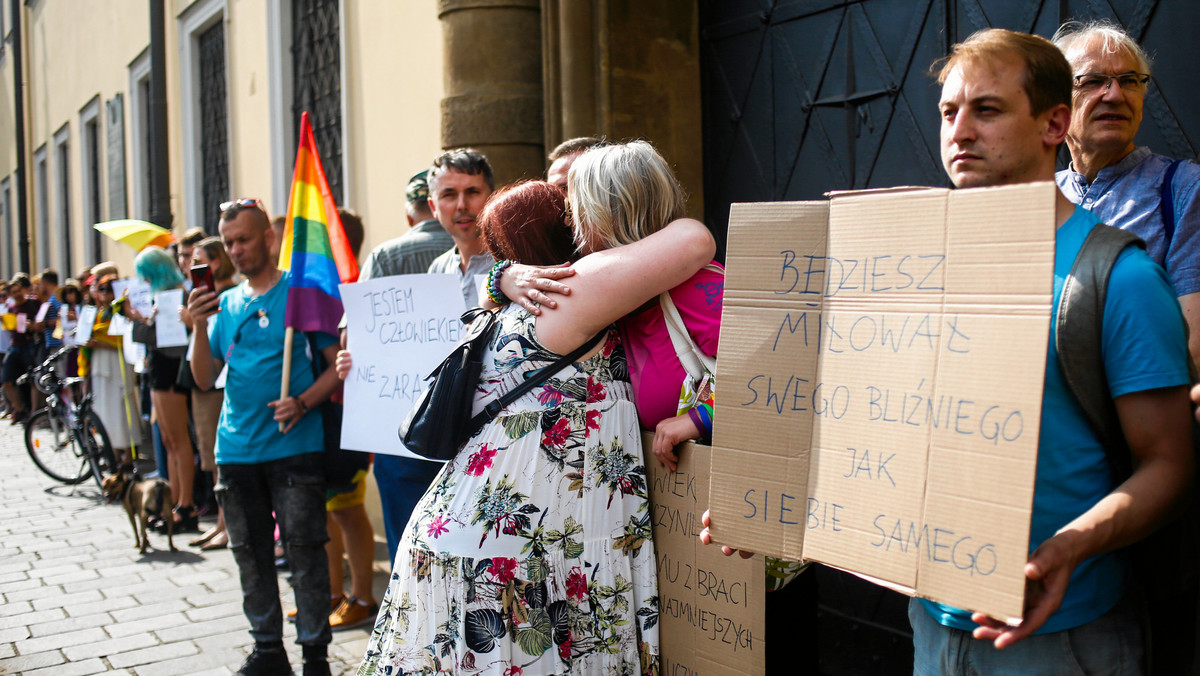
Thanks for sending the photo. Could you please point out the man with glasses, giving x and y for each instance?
(1153, 196)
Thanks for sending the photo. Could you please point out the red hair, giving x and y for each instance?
(526, 222)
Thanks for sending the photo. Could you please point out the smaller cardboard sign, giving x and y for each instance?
(22, 322)
(87, 321)
(169, 329)
(398, 329)
(711, 606)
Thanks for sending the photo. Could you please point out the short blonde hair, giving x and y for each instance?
(622, 193)
(1047, 73)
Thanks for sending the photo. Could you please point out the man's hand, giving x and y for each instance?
(1046, 577)
(1196, 400)
(706, 538)
(343, 364)
(670, 433)
(290, 410)
(201, 305)
(530, 287)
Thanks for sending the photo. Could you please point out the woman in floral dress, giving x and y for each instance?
(531, 552)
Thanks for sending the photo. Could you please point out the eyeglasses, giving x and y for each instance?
(247, 203)
(1094, 82)
(105, 288)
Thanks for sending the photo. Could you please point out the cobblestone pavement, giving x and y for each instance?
(77, 598)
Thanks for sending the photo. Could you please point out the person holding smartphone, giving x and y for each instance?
(213, 270)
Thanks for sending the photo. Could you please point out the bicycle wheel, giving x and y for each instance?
(53, 448)
(97, 448)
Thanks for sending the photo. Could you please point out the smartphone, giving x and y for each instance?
(202, 278)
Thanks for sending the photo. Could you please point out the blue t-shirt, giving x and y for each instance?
(1144, 348)
(52, 343)
(253, 355)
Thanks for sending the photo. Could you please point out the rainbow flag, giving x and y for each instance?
(314, 245)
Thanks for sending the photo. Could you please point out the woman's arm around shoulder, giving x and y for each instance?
(610, 284)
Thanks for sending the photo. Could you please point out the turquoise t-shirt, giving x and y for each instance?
(253, 355)
(1144, 348)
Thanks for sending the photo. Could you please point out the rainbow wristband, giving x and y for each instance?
(493, 283)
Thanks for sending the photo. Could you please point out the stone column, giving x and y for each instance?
(493, 83)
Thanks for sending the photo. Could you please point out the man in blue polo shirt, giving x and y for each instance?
(262, 469)
(1153, 196)
(1006, 107)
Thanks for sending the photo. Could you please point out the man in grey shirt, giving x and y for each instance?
(460, 182)
(413, 251)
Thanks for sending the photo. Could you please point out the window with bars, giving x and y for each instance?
(92, 192)
(62, 175)
(214, 145)
(317, 82)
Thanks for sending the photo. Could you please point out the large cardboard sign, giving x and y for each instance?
(711, 606)
(397, 330)
(882, 357)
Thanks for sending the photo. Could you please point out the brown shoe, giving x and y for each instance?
(352, 613)
(334, 602)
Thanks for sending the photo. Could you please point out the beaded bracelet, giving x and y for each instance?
(493, 282)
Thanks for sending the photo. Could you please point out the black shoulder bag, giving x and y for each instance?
(440, 421)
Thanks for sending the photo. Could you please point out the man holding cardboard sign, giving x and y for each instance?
(1006, 107)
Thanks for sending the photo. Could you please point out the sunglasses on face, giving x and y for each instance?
(245, 203)
(106, 288)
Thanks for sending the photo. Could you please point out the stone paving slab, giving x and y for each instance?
(77, 598)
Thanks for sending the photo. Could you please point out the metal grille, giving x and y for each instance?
(64, 205)
(317, 82)
(92, 139)
(214, 145)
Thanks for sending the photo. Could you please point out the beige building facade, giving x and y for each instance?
(232, 102)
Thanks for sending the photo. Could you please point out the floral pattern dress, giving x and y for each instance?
(531, 552)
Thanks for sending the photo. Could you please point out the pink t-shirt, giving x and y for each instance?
(653, 367)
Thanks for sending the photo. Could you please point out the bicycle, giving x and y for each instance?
(66, 440)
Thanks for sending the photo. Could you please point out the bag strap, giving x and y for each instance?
(532, 379)
(1167, 201)
(1079, 334)
(695, 362)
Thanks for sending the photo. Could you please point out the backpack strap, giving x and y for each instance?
(1079, 336)
(1167, 201)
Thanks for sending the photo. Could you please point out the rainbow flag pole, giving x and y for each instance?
(315, 250)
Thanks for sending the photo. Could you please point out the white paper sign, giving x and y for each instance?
(398, 329)
(87, 319)
(41, 315)
(135, 353)
(119, 326)
(169, 330)
(139, 293)
(22, 322)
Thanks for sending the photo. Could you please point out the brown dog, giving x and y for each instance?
(142, 499)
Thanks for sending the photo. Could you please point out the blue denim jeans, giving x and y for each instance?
(294, 489)
(402, 482)
(1110, 646)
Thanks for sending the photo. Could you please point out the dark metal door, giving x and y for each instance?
(806, 96)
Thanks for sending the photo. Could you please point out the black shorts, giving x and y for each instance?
(16, 363)
(164, 373)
